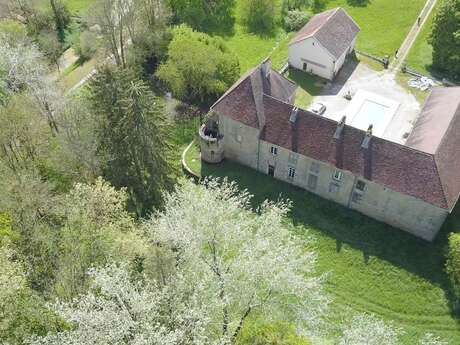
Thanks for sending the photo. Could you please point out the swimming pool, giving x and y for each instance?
(367, 108)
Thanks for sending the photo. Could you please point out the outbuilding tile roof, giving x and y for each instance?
(334, 29)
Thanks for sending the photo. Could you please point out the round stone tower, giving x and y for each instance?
(211, 143)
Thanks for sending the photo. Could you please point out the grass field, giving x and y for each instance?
(372, 267)
(76, 6)
(420, 57)
(384, 23)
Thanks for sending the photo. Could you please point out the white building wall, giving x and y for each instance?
(339, 63)
(310, 51)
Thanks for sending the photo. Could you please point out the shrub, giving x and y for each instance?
(274, 333)
(453, 261)
(296, 20)
(199, 68)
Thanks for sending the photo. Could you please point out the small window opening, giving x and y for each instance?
(274, 150)
(360, 185)
(291, 172)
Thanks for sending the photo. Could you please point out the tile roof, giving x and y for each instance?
(397, 167)
(243, 101)
(437, 131)
(417, 169)
(334, 29)
(441, 106)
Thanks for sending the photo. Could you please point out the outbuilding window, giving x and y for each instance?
(291, 172)
(274, 150)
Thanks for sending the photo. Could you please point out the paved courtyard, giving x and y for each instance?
(357, 76)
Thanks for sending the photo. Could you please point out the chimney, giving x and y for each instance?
(367, 173)
(339, 130)
(265, 69)
(293, 117)
(367, 138)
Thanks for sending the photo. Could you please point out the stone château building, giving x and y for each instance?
(413, 186)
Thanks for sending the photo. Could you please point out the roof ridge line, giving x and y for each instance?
(448, 129)
(232, 88)
(440, 183)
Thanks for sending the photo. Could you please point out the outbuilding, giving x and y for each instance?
(322, 45)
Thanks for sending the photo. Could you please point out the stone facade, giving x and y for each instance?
(379, 202)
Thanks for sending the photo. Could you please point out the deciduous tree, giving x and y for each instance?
(445, 38)
(245, 263)
(259, 15)
(199, 67)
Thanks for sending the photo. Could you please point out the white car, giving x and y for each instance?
(318, 108)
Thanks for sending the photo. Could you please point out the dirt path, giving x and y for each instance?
(403, 51)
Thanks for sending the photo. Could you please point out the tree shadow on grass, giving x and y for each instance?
(224, 27)
(345, 226)
(358, 3)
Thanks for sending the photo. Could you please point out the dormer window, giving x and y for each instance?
(337, 175)
(274, 150)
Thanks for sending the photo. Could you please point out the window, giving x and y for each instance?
(291, 172)
(274, 150)
(360, 185)
(314, 167)
(356, 197)
(312, 181)
(271, 170)
(293, 157)
(304, 66)
(337, 175)
(334, 188)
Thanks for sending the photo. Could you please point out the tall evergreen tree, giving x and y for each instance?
(133, 134)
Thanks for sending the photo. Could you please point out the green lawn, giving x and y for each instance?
(78, 5)
(192, 158)
(373, 267)
(384, 23)
(309, 87)
(420, 57)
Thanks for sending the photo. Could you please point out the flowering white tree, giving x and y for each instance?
(221, 264)
(21, 68)
(246, 262)
(367, 329)
(431, 339)
(120, 310)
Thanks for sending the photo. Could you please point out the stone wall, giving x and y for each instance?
(402, 211)
(240, 141)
